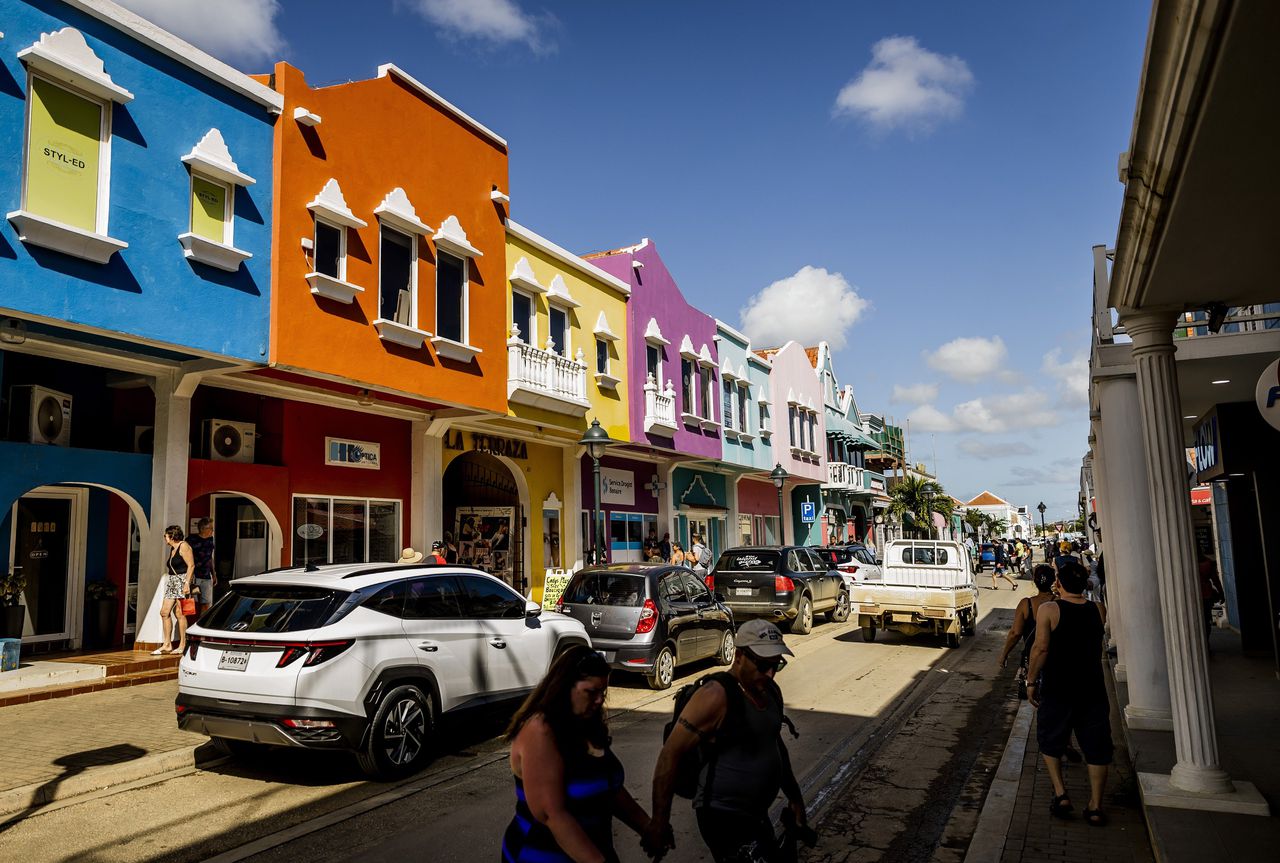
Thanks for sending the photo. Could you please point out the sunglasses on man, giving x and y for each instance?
(766, 664)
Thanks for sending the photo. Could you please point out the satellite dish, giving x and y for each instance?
(49, 420)
(227, 440)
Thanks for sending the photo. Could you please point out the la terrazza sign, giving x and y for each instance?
(486, 443)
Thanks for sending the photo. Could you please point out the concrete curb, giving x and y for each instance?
(30, 799)
(987, 845)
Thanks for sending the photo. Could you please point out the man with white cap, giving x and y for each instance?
(739, 717)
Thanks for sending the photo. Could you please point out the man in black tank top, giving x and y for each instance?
(1068, 650)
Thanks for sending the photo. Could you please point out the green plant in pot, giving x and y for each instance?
(100, 613)
(12, 612)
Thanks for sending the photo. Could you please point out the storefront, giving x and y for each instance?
(701, 508)
(757, 513)
(629, 506)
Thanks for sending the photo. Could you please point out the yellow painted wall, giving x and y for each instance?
(609, 406)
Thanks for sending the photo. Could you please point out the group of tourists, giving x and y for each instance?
(697, 557)
(723, 750)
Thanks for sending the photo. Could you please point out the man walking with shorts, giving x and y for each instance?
(1068, 650)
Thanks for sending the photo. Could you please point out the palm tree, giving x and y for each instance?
(976, 520)
(997, 526)
(916, 499)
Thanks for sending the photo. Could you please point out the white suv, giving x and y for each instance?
(361, 657)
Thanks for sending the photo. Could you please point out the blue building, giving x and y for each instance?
(850, 492)
(134, 266)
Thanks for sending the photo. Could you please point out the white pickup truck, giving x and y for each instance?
(927, 586)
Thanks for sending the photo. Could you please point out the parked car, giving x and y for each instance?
(986, 555)
(788, 584)
(927, 588)
(839, 559)
(649, 618)
(870, 566)
(361, 657)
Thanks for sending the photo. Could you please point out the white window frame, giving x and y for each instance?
(602, 347)
(465, 301)
(657, 351)
(104, 148)
(744, 415)
(228, 217)
(688, 391)
(566, 349)
(728, 404)
(529, 333)
(413, 270)
(342, 246)
(331, 498)
(706, 391)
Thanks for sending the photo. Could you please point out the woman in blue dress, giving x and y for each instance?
(568, 781)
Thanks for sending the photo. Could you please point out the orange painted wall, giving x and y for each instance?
(376, 135)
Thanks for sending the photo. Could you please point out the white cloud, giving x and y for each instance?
(1072, 375)
(915, 394)
(999, 414)
(970, 359)
(811, 306)
(993, 449)
(906, 86)
(236, 31)
(1043, 476)
(497, 21)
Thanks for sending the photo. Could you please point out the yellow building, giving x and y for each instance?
(566, 366)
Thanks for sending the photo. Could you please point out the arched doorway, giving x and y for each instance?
(484, 512)
(247, 535)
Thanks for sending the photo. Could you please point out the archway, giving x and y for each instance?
(244, 523)
(486, 504)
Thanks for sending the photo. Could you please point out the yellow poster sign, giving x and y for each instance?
(64, 156)
(208, 209)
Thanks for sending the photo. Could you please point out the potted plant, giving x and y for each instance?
(100, 613)
(12, 612)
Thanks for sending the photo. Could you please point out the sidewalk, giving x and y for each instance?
(65, 747)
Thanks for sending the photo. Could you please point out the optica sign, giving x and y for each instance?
(1268, 394)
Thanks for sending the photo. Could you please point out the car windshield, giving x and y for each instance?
(271, 608)
(748, 561)
(606, 588)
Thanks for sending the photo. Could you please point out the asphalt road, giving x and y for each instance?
(845, 696)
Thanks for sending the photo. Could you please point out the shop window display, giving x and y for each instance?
(328, 530)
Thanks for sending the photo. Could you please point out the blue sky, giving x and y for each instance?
(911, 173)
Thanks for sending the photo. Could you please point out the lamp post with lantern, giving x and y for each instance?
(1044, 532)
(596, 440)
(779, 477)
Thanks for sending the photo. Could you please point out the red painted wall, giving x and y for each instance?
(757, 498)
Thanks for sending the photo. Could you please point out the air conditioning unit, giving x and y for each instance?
(228, 440)
(40, 415)
(144, 439)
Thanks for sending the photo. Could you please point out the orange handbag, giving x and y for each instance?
(188, 606)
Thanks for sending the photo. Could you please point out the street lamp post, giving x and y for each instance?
(1044, 532)
(779, 477)
(596, 440)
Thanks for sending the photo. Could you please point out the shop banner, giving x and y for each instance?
(553, 588)
(484, 539)
(352, 453)
(63, 155)
(1268, 394)
(619, 486)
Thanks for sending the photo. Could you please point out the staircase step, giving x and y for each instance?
(113, 682)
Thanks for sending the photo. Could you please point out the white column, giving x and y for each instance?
(169, 463)
(418, 486)
(1198, 769)
(428, 460)
(1130, 555)
(571, 554)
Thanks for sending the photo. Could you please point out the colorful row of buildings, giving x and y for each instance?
(307, 313)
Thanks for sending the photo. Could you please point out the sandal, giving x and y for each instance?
(161, 651)
(1056, 807)
(1095, 817)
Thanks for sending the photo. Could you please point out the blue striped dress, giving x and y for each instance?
(591, 783)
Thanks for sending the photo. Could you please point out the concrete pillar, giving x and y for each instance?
(1198, 769)
(571, 554)
(1130, 555)
(169, 463)
(428, 484)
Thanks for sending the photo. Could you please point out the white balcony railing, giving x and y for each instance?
(841, 475)
(659, 407)
(544, 378)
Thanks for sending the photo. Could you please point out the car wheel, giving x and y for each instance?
(840, 613)
(969, 622)
(868, 634)
(803, 624)
(664, 669)
(727, 649)
(953, 639)
(235, 748)
(398, 735)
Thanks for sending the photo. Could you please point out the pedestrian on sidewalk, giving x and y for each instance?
(1211, 591)
(1024, 622)
(179, 568)
(1001, 567)
(569, 784)
(1068, 650)
(202, 553)
(745, 763)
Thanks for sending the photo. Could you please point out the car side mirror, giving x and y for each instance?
(532, 609)
(879, 561)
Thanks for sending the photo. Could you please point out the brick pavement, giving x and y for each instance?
(51, 740)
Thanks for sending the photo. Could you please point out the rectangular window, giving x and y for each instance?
(210, 205)
(522, 317)
(602, 356)
(66, 155)
(686, 386)
(653, 363)
(328, 530)
(764, 417)
(331, 250)
(560, 330)
(396, 300)
(451, 297)
(791, 425)
(743, 423)
(708, 383)
(726, 404)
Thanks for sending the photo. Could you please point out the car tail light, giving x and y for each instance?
(710, 581)
(560, 604)
(323, 651)
(783, 584)
(193, 645)
(648, 618)
(180, 709)
(290, 653)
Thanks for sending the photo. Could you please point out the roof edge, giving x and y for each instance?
(565, 256)
(391, 69)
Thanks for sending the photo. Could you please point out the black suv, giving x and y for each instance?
(787, 584)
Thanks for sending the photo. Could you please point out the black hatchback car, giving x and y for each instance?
(788, 584)
(649, 618)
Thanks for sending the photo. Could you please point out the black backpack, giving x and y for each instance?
(708, 748)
